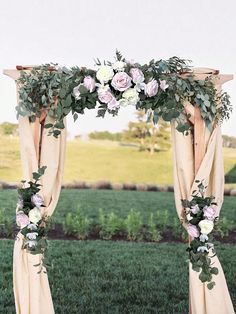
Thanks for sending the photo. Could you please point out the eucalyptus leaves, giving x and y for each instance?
(201, 213)
(159, 87)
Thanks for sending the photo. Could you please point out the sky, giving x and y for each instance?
(74, 32)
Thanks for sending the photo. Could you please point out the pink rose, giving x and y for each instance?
(105, 97)
(210, 212)
(113, 104)
(151, 88)
(193, 231)
(163, 85)
(121, 81)
(137, 75)
(89, 83)
(22, 219)
(37, 200)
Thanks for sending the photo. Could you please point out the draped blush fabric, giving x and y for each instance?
(202, 300)
(31, 290)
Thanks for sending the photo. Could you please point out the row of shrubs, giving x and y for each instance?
(110, 226)
(107, 185)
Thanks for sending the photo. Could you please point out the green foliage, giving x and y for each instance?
(163, 219)
(6, 224)
(77, 224)
(105, 135)
(110, 225)
(225, 108)
(134, 224)
(224, 226)
(154, 233)
(49, 88)
(177, 230)
(7, 128)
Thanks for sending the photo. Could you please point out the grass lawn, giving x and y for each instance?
(120, 202)
(97, 160)
(115, 277)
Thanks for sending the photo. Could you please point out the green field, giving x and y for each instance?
(114, 277)
(97, 160)
(120, 202)
(94, 277)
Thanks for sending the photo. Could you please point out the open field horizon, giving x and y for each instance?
(95, 160)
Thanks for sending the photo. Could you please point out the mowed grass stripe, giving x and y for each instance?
(115, 277)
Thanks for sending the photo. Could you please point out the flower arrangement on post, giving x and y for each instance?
(29, 218)
(201, 213)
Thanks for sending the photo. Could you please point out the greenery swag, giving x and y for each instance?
(159, 87)
(29, 218)
(201, 214)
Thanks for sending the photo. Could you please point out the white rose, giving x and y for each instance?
(32, 235)
(189, 217)
(35, 215)
(203, 237)
(202, 249)
(131, 95)
(123, 102)
(119, 66)
(105, 73)
(102, 88)
(206, 226)
(76, 92)
(31, 243)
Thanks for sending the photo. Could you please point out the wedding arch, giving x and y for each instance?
(189, 98)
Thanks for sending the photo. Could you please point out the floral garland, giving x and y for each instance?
(29, 218)
(201, 213)
(159, 87)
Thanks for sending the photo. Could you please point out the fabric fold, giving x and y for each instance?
(31, 289)
(202, 300)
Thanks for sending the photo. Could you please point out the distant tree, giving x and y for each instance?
(149, 136)
(229, 141)
(7, 128)
(105, 135)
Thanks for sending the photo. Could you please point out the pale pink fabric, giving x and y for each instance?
(202, 300)
(31, 290)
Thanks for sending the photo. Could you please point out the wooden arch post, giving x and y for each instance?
(195, 114)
